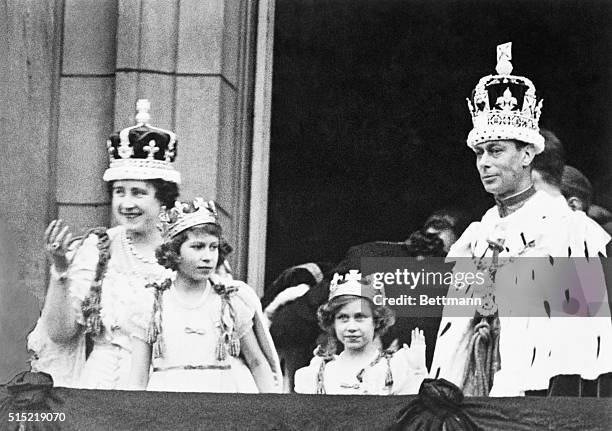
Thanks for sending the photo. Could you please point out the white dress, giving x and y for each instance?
(541, 335)
(377, 375)
(123, 294)
(190, 334)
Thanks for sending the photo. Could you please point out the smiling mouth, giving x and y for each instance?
(205, 268)
(131, 215)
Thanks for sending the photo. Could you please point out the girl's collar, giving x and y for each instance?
(190, 304)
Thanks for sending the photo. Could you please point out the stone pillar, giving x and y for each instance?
(30, 32)
(193, 60)
(86, 111)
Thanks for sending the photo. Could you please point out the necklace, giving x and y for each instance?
(128, 245)
(139, 266)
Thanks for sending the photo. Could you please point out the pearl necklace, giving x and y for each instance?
(129, 246)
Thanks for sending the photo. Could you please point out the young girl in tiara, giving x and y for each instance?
(200, 332)
(351, 318)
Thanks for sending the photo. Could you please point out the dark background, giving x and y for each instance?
(369, 117)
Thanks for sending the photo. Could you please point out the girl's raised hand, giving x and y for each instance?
(57, 241)
(415, 353)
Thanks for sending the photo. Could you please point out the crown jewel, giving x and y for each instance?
(353, 284)
(184, 215)
(142, 152)
(504, 106)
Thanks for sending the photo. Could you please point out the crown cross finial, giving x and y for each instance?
(353, 275)
(151, 149)
(143, 106)
(125, 151)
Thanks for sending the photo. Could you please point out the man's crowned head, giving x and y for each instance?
(505, 134)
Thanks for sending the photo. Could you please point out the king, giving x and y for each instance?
(547, 311)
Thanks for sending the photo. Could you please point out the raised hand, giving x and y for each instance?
(57, 240)
(415, 353)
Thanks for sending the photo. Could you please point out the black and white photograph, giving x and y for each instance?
(306, 215)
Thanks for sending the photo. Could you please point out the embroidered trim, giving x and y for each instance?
(91, 306)
(387, 354)
(228, 342)
(154, 332)
(193, 367)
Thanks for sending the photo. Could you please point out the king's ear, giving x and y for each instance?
(528, 155)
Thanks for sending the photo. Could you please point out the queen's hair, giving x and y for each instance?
(166, 192)
(168, 254)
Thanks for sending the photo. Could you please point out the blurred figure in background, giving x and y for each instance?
(576, 189)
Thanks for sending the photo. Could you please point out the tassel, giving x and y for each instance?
(91, 305)
(320, 375)
(91, 309)
(234, 345)
(152, 329)
(389, 376)
(158, 347)
(95, 324)
(154, 332)
(220, 350)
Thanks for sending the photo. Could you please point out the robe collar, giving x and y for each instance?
(512, 203)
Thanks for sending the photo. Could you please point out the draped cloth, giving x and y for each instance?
(111, 409)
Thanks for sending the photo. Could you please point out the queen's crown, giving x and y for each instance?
(142, 152)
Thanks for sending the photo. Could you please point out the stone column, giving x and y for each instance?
(192, 60)
(86, 111)
(30, 32)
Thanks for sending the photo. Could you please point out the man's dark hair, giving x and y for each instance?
(551, 161)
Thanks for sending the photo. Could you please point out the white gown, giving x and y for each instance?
(190, 334)
(123, 294)
(338, 378)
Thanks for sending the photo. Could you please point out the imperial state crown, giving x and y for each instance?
(504, 106)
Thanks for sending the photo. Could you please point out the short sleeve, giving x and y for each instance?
(243, 304)
(140, 323)
(62, 361)
(306, 378)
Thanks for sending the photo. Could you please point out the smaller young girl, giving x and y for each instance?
(351, 318)
(199, 333)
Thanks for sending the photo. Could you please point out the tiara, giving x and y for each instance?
(142, 152)
(354, 284)
(184, 215)
(504, 106)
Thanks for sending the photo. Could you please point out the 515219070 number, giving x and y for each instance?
(36, 417)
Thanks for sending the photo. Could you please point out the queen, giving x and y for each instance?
(97, 282)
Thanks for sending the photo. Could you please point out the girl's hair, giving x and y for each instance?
(168, 254)
(166, 192)
(383, 317)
